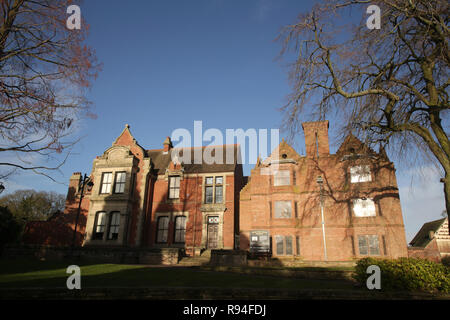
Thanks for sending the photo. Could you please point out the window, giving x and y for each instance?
(174, 187)
(214, 190)
(119, 186)
(288, 240)
(219, 190)
(282, 178)
(360, 174)
(283, 209)
(100, 223)
(163, 229)
(106, 182)
(114, 223)
(297, 245)
(180, 229)
(283, 245)
(280, 245)
(368, 245)
(364, 208)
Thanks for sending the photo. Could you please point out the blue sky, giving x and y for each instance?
(169, 63)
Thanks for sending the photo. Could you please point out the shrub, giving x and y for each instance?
(406, 274)
(446, 261)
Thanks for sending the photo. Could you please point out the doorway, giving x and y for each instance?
(213, 232)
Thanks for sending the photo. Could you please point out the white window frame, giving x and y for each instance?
(114, 225)
(370, 245)
(106, 185)
(174, 190)
(120, 180)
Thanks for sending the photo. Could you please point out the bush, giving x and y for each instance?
(9, 228)
(406, 274)
(446, 261)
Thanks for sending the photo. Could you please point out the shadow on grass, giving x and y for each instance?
(21, 265)
(114, 275)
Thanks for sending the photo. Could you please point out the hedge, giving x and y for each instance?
(406, 274)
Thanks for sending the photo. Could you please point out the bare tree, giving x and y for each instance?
(45, 69)
(387, 85)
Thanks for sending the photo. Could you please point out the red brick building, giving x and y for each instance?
(281, 207)
(141, 198)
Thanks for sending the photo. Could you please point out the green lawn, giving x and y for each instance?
(50, 274)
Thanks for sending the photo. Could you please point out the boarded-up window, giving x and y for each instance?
(368, 245)
(360, 174)
(283, 209)
(364, 208)
(281, 178)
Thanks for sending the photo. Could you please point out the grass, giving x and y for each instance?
(51, 274)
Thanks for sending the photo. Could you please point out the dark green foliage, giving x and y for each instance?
(407, 274)
(9, 228)
(446, 261)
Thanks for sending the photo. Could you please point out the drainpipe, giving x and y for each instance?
(195, 215)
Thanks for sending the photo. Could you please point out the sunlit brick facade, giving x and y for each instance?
(281, 209)
(141, 198)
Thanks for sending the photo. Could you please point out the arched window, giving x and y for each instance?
(100, 224)
(114, 224)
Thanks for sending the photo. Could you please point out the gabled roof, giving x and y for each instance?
(162, 160)
(126, 138)
(422, 237)
(353, 144)
(281, 152)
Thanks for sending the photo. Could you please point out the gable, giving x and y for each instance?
(281, 153)
(422, 238)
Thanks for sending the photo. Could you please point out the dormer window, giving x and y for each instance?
(360, 174)
(174, 187)
(282, 178)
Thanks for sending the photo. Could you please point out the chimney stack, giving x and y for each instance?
(316, 138)
(167, 145)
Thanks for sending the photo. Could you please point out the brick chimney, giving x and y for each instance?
(167, 145)
(74, 182)
(316, 138)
